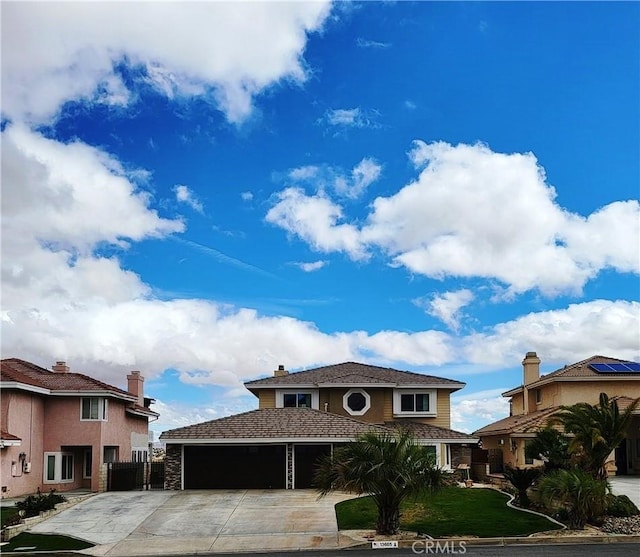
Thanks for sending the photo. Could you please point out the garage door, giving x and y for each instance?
(305, 461)
(250, 467)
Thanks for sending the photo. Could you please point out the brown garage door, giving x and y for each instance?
(247, 467)
(305, 461)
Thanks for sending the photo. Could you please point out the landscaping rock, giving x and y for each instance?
(629, 525)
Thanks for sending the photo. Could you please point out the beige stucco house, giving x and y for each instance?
(58, 428)
(304, 415)
(539, 397)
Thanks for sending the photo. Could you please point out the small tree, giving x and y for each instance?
(597, 431)
(521, 479)
(584, 497)
(390, 467)
(552, 447)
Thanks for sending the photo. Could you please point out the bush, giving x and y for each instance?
(33, 505)
(621, 505)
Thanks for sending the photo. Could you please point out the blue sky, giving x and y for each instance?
(205, 191)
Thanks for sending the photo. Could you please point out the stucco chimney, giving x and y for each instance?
(61, 367)
(280, 371)
(135, 385)
(531, 368)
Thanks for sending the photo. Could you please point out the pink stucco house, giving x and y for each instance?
(58, 428)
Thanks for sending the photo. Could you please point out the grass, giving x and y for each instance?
(6, 513)
(44, 542)
(453, 511)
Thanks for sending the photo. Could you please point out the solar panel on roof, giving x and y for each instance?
(626, 367)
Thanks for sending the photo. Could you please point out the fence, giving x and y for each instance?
(128, 476)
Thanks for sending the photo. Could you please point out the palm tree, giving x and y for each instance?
(390, 467)
(522, 479)
(578, 492)
(597, 431)
(550, 446)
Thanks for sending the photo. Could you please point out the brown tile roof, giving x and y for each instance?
(580, 369)
(16, 370)
(297, 423)
(522, 423)
(353, 373)
(6, 436)
(427, 431)
(275, 423)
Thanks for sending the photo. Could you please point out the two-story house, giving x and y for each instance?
(58, 427)
(533, 403)
(304, 415)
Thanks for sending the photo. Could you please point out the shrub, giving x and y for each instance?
(578, 492)
(521, 479)
(33, 505)
(621, 505)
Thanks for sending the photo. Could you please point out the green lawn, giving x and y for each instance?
(7, 512)
(453, 511)
(44, 542)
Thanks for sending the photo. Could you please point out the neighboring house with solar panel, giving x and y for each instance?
(57, 428)
(305, 415)
(534, 402)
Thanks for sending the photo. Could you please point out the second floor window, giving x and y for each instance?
(93, 408)
(421, 403)
(296, 400)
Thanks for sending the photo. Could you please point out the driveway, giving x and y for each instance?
(626, 485)
(171, 522)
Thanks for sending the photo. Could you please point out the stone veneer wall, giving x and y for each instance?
(173, 467)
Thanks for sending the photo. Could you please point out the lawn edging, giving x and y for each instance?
(512, 506)
(26, 523)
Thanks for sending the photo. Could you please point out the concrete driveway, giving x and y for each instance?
(626, 485)
(171, 522)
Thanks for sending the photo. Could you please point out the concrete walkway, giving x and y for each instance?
(626, 485)
(173, 522)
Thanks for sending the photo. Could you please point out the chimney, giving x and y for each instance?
(60, 367)
(531, 365)
(280, 371)
(135, 386)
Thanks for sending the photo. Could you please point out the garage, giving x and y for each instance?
(235, 467)
(305, 461)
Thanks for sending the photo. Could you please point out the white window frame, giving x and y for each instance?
(315, 398)
(57, 468)
(367, 402)
(397, 404)
(103, 409)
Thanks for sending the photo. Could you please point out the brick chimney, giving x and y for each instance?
(61, 367)
(280, 371)
(135, 385)
(531, 368)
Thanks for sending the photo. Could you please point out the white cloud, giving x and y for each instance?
(364, 43)
(474, 410)
(446, 306)
(316, 220)
(564, 335)
(325, 177)
(309, 267)
(186, 195)
(352, 118)
(246, 196)
(55, 52)
(476, 213)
